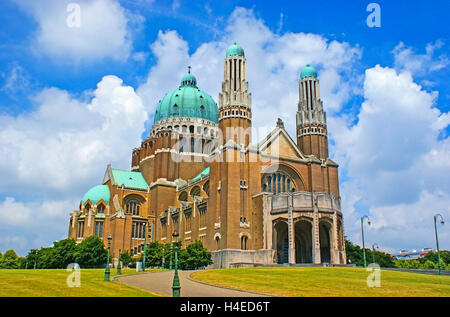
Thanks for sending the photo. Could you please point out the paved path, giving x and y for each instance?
(161, 283)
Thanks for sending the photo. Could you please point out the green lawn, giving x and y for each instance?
(52, 283)
(322, 281)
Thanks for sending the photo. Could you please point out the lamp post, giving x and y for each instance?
(170, 259)
(35, 259)
(145, 247)
(362, 234)
(437, 240)
(373, 251)
(221, 253)
(107, 273)
(176, 281)
(119, 269)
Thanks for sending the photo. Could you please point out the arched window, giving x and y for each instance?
(132, 207)
(182, 144)
(195, 191)
(101, 209)
(217, 243)
(192, 145)
(244, 240)
(277, 183)
(206, 188)
(183, 196)
(87, 207)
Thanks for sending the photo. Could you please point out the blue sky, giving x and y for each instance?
(63, 92)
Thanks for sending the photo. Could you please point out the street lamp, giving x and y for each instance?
(35, 258)
(119, 270)
(145, 246)
(107, 273)
(362, 234)
(170, 259)
(437, 240)
(373, 251)
(176, 281)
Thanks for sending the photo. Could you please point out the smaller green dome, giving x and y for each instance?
(308, 71)
(97, 193)
(235, 49)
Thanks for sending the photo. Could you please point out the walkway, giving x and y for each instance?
(161, 283)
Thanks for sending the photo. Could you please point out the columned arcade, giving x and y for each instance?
(304, 227)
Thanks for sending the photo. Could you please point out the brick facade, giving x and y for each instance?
(277, 202)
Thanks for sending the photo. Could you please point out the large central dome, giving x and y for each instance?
(187, 101)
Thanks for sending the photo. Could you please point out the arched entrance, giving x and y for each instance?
(325, 242)
(303, 242)
(281, 241)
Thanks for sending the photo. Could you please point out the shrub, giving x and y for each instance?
(91, 253)
(9, 260)
(194, 256)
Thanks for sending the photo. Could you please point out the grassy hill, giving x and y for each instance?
(52, 283)
(326, 281)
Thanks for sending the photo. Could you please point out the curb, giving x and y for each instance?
(132, 274)
(226, 287)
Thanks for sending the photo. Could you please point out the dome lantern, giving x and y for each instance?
(235, 49)
(308, 71)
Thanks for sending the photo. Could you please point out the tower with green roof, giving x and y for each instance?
(235, 100)
(311, 118)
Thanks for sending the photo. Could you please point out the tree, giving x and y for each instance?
(91, 253)
(429, 265)
(154, 254)
(433, 257)
(64, 253)
(21, 261)
(45, 259)
(30, 258)
(194, 256)
(9, 260)
(125, 258)
(355, 255)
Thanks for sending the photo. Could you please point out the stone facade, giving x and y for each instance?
(276, 202)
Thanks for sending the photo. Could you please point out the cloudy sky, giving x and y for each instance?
(78, 92)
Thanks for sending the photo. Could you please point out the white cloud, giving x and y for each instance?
(33, 224)
(102, 32)
(58, 152)
(391, 157)
(274, 63)
(420, 64)
(16, 79)
(394, 161)
(65, 144)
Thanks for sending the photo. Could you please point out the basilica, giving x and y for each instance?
(197, 174)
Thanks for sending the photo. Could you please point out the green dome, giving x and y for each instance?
(308, 71)
(187, 101)
(235, 50)
(97, 193)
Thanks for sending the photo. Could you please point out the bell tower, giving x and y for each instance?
(311, 119)
(235, 114)
(230, 167)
